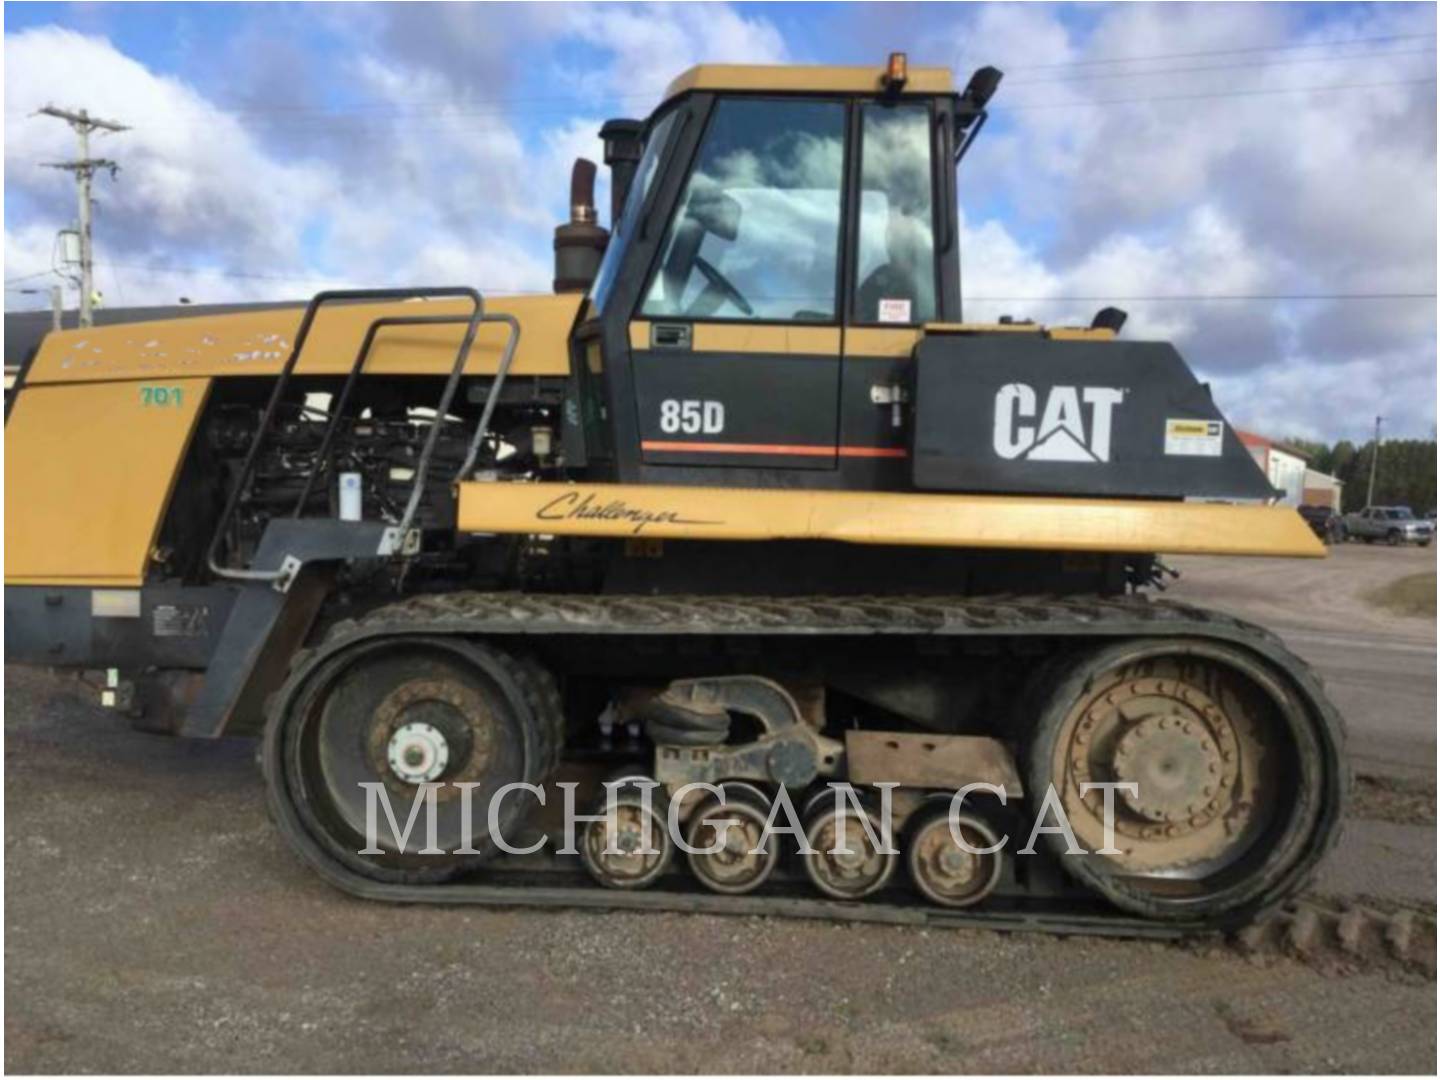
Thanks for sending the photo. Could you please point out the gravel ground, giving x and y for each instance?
(154, 923)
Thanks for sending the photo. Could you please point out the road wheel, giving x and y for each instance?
(1394, 538)
(732, 828)
(847, 864)
(1229, 771)
(642, 848)
(387, 719)
(945, 872)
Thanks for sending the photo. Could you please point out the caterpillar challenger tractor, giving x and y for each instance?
(745, 504)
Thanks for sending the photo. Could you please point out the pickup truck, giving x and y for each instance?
(1395, 525)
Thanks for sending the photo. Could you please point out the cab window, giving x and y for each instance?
(757, 232)
(895, 261)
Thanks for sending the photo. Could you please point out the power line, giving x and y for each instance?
(1227, 51)
(1188, 298)
(201, 271)
(1066, 79)
(27, 277)
(1030, 106)
(443, 108)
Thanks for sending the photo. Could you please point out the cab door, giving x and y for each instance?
(904, 273)
(736, 340)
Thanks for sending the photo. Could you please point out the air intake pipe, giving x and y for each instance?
(580, 242)
(623, 146)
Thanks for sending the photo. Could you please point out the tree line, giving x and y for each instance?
(1404, 474)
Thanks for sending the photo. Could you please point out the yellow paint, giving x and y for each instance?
(901, 340)
(983, 328)
(1055, 333)
(881, 340)
(1081, 333)
(88, 473)
(257, 343)
(798, 78)
(933, 520)
(785, 339)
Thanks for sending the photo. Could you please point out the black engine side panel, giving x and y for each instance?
(1018, 412)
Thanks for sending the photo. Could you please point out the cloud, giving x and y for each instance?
(385, 144)
(1119, 194)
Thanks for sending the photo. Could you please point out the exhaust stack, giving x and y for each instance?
(580, 242)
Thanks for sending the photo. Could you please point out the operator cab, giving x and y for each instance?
(779, 237)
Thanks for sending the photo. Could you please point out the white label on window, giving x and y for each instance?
(1194, 438)
(894, 311)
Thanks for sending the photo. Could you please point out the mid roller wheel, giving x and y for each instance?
(725, 835)
(847, 862)
(639, 849)
(945, 871)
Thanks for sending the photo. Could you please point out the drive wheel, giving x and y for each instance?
(390, 719)
(733, 828)
(1228, 770)
(847, 864)
(944, 872)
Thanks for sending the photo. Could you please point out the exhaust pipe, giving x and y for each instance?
(580, 242)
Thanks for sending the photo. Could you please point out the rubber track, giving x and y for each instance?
(1328, 935)
(517, 615)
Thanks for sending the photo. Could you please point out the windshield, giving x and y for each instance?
(1402, 514)
(622, 230)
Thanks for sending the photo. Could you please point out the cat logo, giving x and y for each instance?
(1062, 433)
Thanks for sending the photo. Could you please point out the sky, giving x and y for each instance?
(1254, 182)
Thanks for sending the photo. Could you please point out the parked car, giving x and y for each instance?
(1395, 525)
(1324, 522)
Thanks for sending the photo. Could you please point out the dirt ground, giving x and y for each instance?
(154, 922)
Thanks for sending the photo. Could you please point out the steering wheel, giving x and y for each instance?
(721, 284)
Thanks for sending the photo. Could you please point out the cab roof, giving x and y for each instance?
(793, 79)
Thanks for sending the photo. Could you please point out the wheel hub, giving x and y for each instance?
(1173, 763)
(417, 753)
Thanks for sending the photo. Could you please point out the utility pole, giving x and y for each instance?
(84, 169)
(1374, 458)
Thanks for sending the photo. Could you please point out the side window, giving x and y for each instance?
(895, 261)
(620, 231)
(757, 232)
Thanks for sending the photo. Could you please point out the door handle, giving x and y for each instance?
(669, 335)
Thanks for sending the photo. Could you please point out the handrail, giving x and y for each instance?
(343, 398)
(267, 418)
(501, 373)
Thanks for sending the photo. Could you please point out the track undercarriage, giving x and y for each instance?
(1234, 755)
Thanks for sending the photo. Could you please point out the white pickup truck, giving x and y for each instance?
(1395, 525)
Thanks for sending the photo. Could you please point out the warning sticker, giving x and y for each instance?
(894, 311)
(1194, 438)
